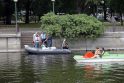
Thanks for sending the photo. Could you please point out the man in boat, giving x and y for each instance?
(43, 38)
(34, 35)
(65, 44)
(97, 53)
(37, 41)
(49, 41)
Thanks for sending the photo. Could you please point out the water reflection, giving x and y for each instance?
(22, 68)
(47, 68)
(102, 72)
(9, 67)
(15, 67)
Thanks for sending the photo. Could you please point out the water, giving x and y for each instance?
(23, 68)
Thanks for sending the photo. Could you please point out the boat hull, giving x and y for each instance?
(105, 58)
(33, 50)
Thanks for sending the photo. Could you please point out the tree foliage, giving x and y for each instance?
(117, 5)
(71, 26)
(1, 8)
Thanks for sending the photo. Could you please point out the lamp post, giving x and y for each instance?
(104, 8)
(16, 25)
(53, 6)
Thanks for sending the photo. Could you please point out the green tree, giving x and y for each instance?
(26, 5)
(1, 8)
(117, 6)
(40, 7)
(94, 6)
(8, 10)
(71, 26)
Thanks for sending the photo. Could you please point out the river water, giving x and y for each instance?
(23, 68)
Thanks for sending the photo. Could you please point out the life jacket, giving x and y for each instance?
(88, 54)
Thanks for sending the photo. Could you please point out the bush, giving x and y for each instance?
(71, 26)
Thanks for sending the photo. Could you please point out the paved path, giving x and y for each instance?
(12, 29)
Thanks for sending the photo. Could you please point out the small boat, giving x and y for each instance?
(106, 57)
(48, 50)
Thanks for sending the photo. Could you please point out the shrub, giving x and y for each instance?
(71, 26)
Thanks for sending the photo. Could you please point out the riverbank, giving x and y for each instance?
(108, 40)
(10, 42)
(113, 38)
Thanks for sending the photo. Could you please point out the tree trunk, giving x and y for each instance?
(8, 19)
(27, 12)
(78, 6)
(8, 12)
(104, 8)
(121, 19)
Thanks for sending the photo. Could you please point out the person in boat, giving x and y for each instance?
(34, 35)
(97, 53)
(102, 52)
(65, 44)
(37, 41)
(43, 37)
(49, 41)
(43, 46)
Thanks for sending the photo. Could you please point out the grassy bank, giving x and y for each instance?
(110, 24)
(31, 25)
(22, 25)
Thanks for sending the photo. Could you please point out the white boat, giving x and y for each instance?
(48, 50)
(107, 57)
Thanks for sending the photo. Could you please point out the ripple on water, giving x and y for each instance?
(102, 72)
(17, 68)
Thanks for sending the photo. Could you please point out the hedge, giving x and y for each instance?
(71, 26)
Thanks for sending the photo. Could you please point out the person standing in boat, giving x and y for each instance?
(37, 41)
(34, 35)
(43, 38)
(49, 41)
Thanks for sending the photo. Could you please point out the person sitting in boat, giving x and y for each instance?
(37, 41)
(102, 52)
(97, 53)
(65, 44)
(43, 46)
